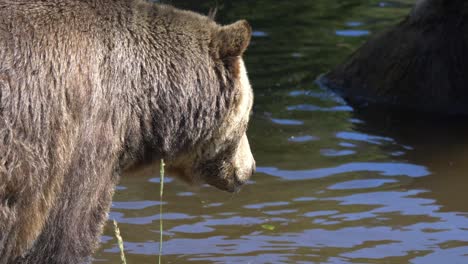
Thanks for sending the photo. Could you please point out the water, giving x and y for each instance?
(334, 184)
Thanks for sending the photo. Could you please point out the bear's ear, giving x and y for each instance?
(232, 40)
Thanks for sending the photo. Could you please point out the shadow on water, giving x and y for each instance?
(334, 184)
(438, 141)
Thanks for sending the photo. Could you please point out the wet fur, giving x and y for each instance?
(89, 89)
(419, 64)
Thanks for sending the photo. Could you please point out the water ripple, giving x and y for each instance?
(383, 168)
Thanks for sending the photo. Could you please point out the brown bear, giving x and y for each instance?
(90, 89)
(419, 64)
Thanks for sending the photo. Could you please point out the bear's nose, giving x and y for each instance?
(253, 169)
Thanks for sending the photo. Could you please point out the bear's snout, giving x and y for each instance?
(244, 163)
(230, 170)
(241, 178)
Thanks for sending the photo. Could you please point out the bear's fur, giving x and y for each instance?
(93, 88)
(421, 63)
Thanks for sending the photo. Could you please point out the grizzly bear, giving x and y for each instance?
(420, 64)
(90, 89)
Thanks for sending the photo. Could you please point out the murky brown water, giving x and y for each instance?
(334, 185)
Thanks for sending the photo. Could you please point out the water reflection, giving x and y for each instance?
(384, 169)
(334, 184)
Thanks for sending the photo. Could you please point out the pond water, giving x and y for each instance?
(333, 184)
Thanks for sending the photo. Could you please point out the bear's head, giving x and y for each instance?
(224, 160)
(203, 99)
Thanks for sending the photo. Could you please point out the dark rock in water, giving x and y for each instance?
(420, 63)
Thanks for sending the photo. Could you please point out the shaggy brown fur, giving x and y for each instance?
(421, 63)
(91, 88)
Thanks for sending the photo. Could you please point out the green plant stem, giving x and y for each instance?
(120, 241)
(161, 192)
